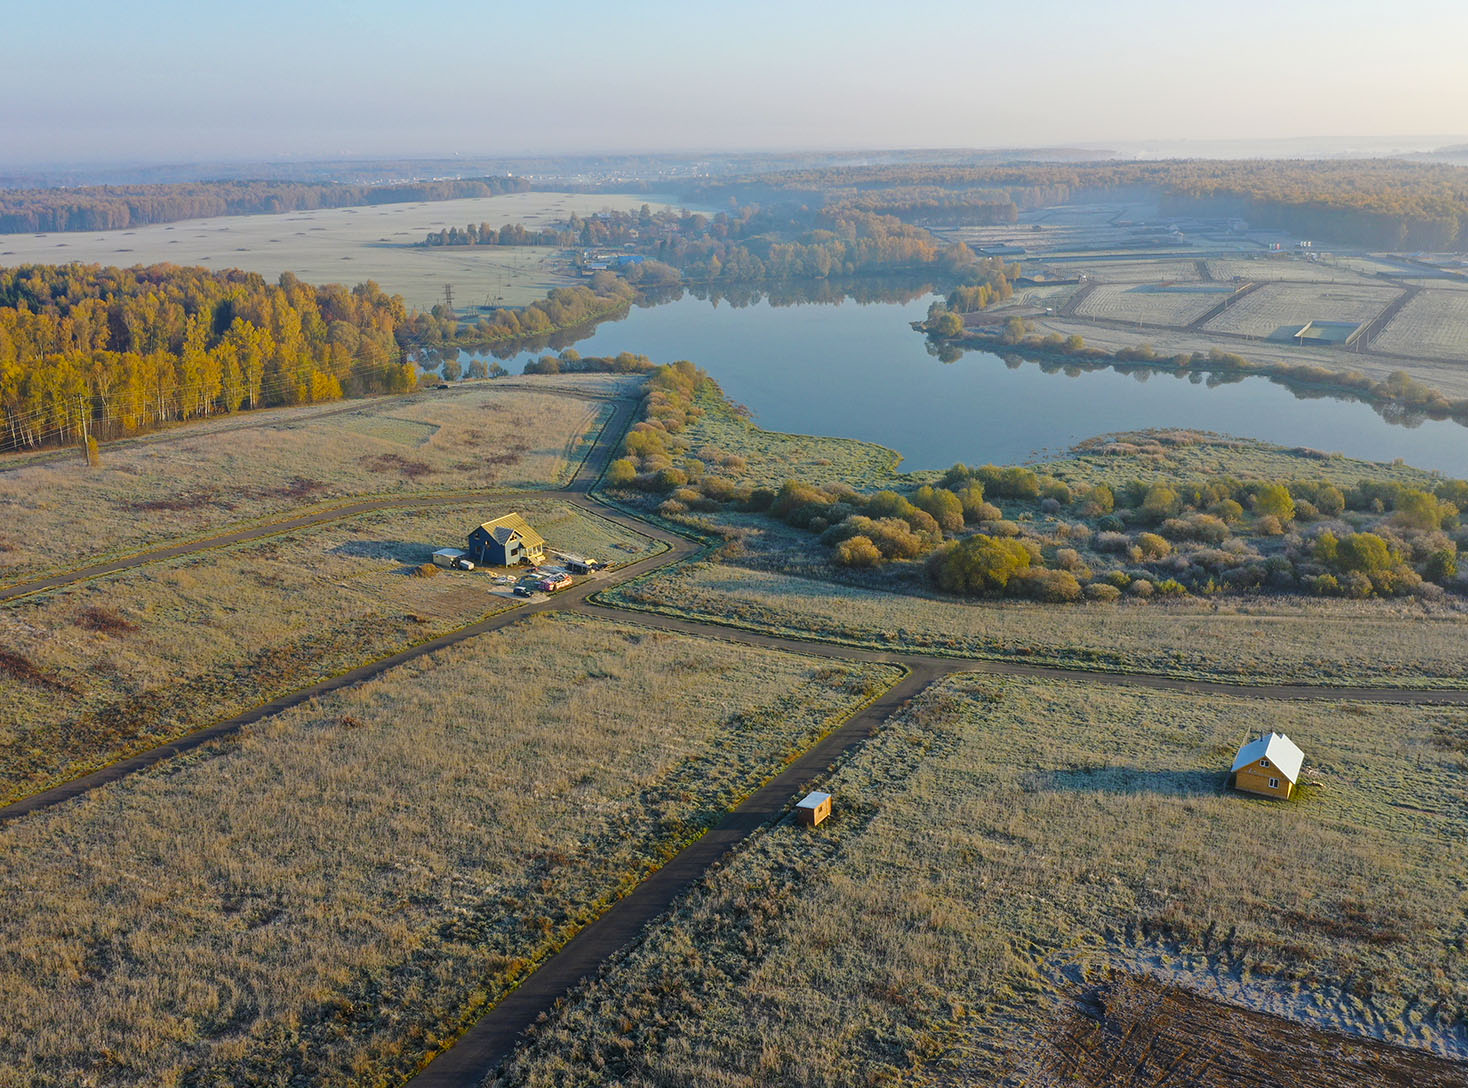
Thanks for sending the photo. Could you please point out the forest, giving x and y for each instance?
(1386, 203)
(112, 207)
(100, 352)
(746, 245)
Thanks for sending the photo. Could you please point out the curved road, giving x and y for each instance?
(496, 1033)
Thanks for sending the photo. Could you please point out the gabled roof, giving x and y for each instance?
(502, 530)
(1281, 752)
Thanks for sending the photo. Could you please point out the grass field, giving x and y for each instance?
(325, 898)
(768, 458)
(346, 245)
(1301, 639)
(197, 479)
(1434, 323)
(1008, 843)
(1153, 304)
(1278, 309)
(96, 671)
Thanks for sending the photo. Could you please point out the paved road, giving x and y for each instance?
(496, 1033)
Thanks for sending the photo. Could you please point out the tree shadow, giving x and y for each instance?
(1115, 779)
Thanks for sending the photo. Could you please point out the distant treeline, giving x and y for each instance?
(113, 207)
(108, 351)
(1386, 203)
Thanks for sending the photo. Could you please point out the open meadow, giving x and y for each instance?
(96, 671)
(197, 479)
(348, 246)
(329, 896)
(1004, 846)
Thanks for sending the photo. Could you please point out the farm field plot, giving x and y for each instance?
(95, 671)
(1153, 304)
(346, 245)
(1140, 270)
(1285, 270)
(1305, 639)
(1278, 310)
(327, 897)
(1434, 323)
(197, 479)
(1005, 842)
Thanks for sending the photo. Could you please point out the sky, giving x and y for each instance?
(162, 81)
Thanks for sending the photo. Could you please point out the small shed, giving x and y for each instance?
(447, 557)
(1269, 765)
(506, 541)
(813, 808)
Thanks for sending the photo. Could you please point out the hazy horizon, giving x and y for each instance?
(185, 83)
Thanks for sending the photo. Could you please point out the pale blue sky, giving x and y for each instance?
(164, 80)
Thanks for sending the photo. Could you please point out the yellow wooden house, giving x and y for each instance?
(1268, 765)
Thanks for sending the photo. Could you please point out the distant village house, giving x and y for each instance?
(1269, 765)
(505, 542)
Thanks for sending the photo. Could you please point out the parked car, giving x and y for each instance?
(523, 591)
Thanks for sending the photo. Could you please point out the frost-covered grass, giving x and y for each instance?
(1287, 639)
(99, 670)
(1006, 841)
(327, 897)
(1434, 323)
(57, 515)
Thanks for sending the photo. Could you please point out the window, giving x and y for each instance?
(1264, 763)
(1274, 783)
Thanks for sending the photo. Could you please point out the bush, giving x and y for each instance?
(1269, 525)
(621, 472)
(942, 505)
(1097, 500)
(1111, 523)
(979, 564)
(1153, 546)
(1228, 511)
(1141, 587)
(858, 551)
(1102, 592)
(1361, 552)
(1441, 564)
(1205, 527)
(1159, 502)
(427, 570)
(1274, 500)
(1052, 586)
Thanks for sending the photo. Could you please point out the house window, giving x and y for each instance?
(1264, 763)
(1274, 783)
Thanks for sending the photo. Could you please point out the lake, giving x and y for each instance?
(858, 370)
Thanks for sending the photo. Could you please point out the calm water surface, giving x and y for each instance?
(859, 371)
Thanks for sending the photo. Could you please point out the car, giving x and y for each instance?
(523, 591)
(464, 564)
(442, 385)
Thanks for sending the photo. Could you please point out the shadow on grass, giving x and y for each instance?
(1104, 779)
(399, 551)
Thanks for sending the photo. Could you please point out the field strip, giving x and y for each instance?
(592, 465)
(852, 651)
(496, 1033)
(268, 417)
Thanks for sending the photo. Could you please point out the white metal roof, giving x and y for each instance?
(1281, 752)
(814, 799)
(454, 552)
